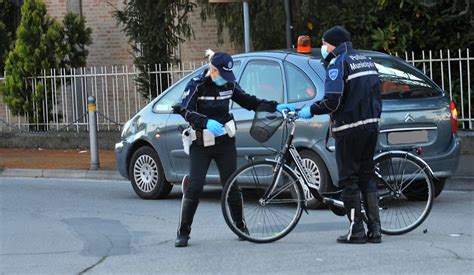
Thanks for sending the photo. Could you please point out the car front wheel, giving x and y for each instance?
(147, 175)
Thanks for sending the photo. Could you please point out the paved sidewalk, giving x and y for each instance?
(54, 159)
(48, 163)
(61, 173)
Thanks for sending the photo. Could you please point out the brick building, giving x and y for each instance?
(110, 45)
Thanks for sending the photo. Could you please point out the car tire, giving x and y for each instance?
(439, 186)
(314, 162)
(147, 176)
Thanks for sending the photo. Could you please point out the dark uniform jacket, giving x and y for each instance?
(203, 100)
(352, 92)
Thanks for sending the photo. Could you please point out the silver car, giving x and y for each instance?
(415, 112)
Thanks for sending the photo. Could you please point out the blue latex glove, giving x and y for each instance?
(282, 106)
(305, 113)
(215, 127)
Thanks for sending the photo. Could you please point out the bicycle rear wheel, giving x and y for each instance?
(406, 191)
(270, 219)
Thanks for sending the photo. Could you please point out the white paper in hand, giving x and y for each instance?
(230, 128)
(187, 140)
(208, 138)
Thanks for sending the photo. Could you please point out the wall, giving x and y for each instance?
(192, 50)
(110, 45)
(467, 155)
(58, 140)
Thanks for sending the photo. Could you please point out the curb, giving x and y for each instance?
(62, 173)
(454, 184)
(460, 184)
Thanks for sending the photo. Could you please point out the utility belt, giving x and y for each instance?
(205, 137)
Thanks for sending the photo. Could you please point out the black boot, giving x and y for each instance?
(356, 232)
(371, 205)
(188, 209)
(236, 209)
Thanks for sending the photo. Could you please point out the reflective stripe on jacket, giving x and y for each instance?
(203, 100)
(352, 91)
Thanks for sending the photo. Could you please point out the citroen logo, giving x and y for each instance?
(409, 118)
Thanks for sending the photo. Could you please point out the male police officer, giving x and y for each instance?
(353, 100)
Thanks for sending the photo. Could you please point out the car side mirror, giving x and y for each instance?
(176, 109)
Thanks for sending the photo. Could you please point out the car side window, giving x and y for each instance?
(172, 96)
(401, 81)
(264, 79)
(300, 87)
(175, 94)
(236, 67)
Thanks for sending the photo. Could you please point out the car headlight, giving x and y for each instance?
(125, 128)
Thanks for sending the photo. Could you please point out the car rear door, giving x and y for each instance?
(179, 161)
(415, 110)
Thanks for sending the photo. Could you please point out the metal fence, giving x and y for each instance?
(115, 89)
(451, 70)
(118, 98)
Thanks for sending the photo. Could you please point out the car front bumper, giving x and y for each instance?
(121, 153)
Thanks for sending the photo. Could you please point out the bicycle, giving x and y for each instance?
(273, 199)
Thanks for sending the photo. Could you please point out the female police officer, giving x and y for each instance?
(205, 105)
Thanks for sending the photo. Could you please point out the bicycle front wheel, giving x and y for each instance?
(406, 191)
(270, 211)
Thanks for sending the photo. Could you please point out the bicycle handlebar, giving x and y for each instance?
(290, 115)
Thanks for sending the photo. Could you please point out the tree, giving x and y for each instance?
(41, 44)
(389, 26)
(5, 31)
(265, 33)
(4, 45)
(421, 25)
(154, 28)
(76, 36)
(29, 56)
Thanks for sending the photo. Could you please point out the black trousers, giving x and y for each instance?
(225, 156)
(355, 161)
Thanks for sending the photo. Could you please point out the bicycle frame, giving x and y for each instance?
(290, 150)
